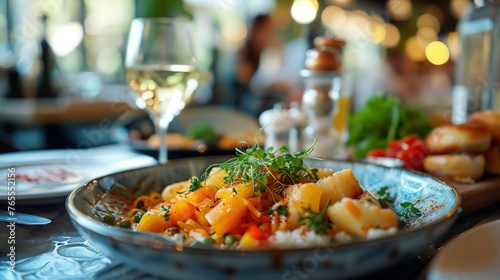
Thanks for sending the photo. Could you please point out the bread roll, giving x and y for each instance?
(492, 157)
(463, 168)
(458, 138)
(489, 120)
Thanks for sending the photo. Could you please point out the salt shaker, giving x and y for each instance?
(277, 124)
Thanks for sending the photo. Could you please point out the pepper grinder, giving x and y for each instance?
(322, 78)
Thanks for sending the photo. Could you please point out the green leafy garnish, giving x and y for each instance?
(384, 196)
(384, 118)
(409, 210)
(269, 168)
(316, 221)
(166, 215)
(280, 209)
(194, 184)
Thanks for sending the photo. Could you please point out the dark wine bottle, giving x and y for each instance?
(46, 85)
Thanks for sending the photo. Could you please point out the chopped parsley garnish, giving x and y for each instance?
(166, 215)
(281, 209)
(317, 221)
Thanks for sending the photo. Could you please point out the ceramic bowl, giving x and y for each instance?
(438, 202)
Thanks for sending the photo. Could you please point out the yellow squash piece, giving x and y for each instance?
(243, 190)
(227, 215)
(171, 190)
(301, 196)
(216, 178)
(356, 218)
(153, 221)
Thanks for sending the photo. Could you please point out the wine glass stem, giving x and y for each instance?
(162, 131)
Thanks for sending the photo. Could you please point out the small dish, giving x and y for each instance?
(229, 126)
(43, 177)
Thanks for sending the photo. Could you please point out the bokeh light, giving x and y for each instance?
(400, 9)
(453, 45)
(392, 36)
(378, 32)
(304, 11)
(414, 50)
(334, 18)
(437, 53)
(64, 38)
(425, 35)
(428, 20)
(459, 7)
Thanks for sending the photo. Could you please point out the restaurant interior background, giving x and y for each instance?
(386, 51)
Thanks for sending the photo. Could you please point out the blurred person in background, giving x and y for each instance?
(258, 64)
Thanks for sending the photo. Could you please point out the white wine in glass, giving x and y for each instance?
(161, 70)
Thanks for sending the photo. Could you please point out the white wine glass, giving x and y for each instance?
(161, 70)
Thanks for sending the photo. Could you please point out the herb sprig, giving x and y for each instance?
(384, 196)
(194, 184)
(317, 221)
(409, 210)
(268, 168)
(166, 215)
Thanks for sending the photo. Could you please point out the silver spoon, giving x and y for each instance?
(22, 218)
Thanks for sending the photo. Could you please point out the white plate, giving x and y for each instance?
(475, 255)
(40, 177)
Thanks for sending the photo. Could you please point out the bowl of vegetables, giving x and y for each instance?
(263, 213)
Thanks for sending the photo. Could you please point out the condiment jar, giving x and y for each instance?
(322, 79)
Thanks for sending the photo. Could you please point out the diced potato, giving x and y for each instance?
(153, 221)
(180, 211)
(367, 198)
(301, 196)
(227, 215)
(170, 191)
(216, 178)
(339, 185)
(243, 190)
(324, 172)
(356, 218)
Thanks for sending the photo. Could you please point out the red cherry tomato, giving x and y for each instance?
(413, 156)
(411, 150)
(376, 153)
(410, 139)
